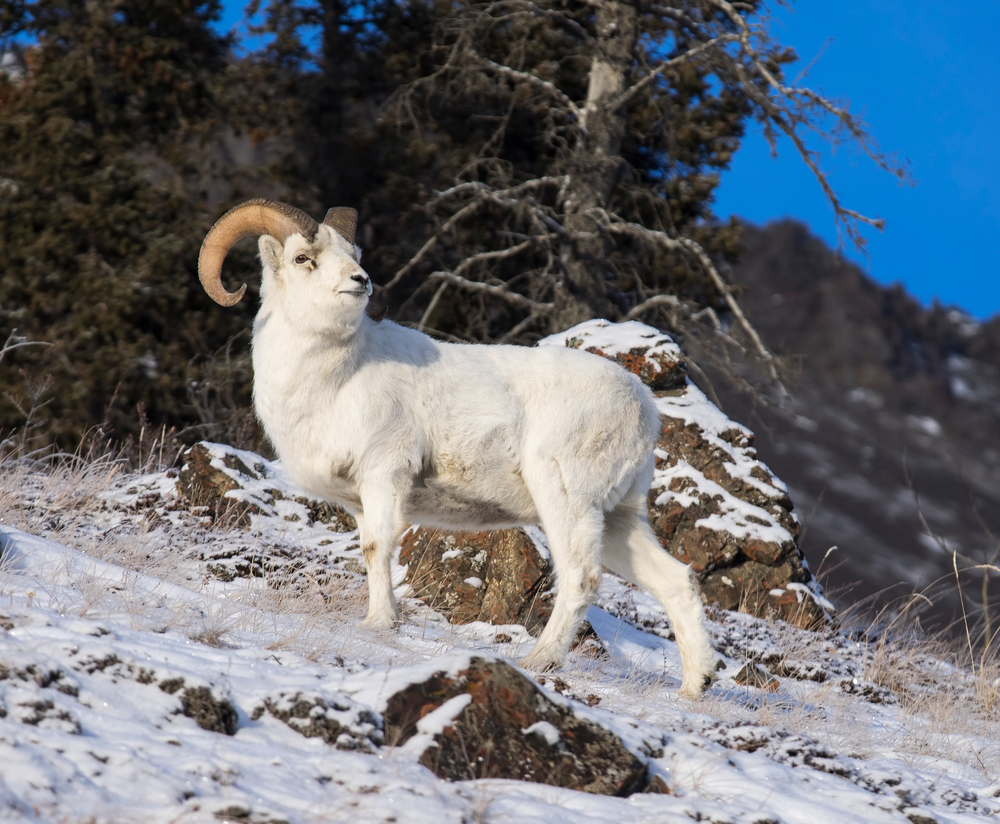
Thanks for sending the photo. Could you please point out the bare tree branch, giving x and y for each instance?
(792, 111)
(690, 54)
(500, 254)
(15, 341)
(526, 77)
(524, 7)
(483, 195)
(693, 248)
(652, 303)
(496, 291)
(431, 243)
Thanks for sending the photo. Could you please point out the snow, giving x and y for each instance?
(967, 325)
(618, 339)
(435, 722)
(924, 424)
(866, 397)
(545, 731)
(693, 407)
(539, 540)
(737, 516)
(91, 731)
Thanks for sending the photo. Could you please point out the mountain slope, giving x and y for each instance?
(890, 442)
(149, 659)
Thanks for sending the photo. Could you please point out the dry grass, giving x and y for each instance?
(53, 494)
(66, 498)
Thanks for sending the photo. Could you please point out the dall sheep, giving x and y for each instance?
(402, 429)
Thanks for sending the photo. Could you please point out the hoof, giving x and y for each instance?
(697, 689)
(381, 622)
(539, 663)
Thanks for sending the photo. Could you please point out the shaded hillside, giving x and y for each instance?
(894, 418)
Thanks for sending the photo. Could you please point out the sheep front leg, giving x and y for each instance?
(380, 529)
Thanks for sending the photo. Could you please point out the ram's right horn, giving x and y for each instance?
(252, 217)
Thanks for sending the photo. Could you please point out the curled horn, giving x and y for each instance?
(345, 220)
(252, 217)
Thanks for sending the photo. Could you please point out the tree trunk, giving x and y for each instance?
(594, 168)
(337, 54)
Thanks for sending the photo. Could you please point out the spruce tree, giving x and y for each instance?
(98, 242)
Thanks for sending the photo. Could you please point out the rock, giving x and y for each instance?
(499, 577)
(206, 484)
(230, 481)
(643, 350)
(203, 707)
(489, 721)
(754, 675)
(338, 720)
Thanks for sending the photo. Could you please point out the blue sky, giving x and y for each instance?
(926, 76)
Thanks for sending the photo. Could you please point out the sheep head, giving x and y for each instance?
(279, 226)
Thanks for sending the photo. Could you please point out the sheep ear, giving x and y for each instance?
(271, 251)
(345, 220)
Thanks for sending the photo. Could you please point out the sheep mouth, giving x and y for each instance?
(353, 292)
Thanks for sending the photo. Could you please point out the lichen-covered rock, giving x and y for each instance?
(490, 721)
(231, 481)
(338, 720)
(643, 350)
(500, 577)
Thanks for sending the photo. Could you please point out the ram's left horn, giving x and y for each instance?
(344, 220)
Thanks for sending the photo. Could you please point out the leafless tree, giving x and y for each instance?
(555, 253)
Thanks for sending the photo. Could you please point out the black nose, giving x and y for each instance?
(362, 279)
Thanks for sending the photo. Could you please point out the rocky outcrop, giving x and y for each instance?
(487, 720)
(716, 507)
(712, 504)
(500, 577)
(226, 481)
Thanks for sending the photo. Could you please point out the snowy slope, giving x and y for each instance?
(147, 657)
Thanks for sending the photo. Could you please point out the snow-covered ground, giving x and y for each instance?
(148, 657)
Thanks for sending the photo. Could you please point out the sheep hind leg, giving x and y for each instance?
(631, 550)
(575, 546)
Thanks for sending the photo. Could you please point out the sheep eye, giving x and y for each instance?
(300, 259)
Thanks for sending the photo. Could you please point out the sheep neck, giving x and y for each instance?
(286, 352)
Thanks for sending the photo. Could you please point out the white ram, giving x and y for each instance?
(400, 429)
